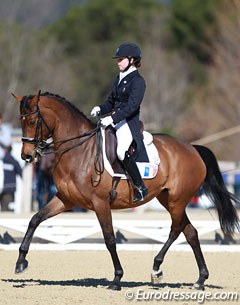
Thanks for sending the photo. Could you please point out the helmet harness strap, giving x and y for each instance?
(129, 63)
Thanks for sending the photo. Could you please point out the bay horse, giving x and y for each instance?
(183, 170)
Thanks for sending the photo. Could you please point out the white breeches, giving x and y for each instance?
(124, 138)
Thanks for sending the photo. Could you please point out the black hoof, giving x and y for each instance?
(115, 287)
(20, 267)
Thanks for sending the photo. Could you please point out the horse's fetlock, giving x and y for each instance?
(204, 274)
(157, 263)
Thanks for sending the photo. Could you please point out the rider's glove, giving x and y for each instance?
(95, 111)
(106, 121)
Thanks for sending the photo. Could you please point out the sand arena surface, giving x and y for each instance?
(79, 277)
(82, 277)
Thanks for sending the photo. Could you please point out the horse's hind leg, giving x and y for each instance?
(182, 225)
(177, 212)
(54, 207)
(176, 229)
(192, 238)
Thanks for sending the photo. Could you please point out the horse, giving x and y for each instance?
(81, 181)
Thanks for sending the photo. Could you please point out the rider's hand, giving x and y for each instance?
(106, 121)
(95, 111)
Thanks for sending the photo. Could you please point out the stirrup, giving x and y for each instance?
(139, 193)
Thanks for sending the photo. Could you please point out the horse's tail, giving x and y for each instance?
(216, 190)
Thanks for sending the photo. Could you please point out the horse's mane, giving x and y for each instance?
(73, 108)
(62, 99)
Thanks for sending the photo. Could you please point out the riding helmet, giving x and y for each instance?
(128, 50)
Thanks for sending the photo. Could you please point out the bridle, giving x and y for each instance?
(38, 139)
(41, 144)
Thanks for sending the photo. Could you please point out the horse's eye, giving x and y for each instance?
(31, 122)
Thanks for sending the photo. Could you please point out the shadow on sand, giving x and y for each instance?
(91, 282)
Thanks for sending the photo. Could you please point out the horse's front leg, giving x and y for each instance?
(105, 219)
(54, 207)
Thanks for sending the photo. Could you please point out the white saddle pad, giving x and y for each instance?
(147, 170)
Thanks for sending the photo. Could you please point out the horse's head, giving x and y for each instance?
(34, 128)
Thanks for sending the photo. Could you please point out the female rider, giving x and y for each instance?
(123, 109)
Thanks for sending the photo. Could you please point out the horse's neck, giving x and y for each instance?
(71, 127)
(68, 124)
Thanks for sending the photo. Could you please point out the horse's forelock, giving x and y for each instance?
(24, 103)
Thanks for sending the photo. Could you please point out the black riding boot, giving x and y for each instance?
(130, 166)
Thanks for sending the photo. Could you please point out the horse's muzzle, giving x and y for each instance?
(28, 158)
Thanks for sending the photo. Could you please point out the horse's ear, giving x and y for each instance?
(17, 97)
(39, 93)
(37, 96)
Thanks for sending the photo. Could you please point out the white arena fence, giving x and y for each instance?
(75, 234)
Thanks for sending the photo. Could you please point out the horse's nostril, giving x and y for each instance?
(28, 158)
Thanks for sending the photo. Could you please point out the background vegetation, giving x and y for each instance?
(191, 59)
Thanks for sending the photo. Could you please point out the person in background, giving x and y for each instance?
(46, 189)
(11, 169)
(5, 136)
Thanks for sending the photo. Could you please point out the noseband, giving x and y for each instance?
(38, 140)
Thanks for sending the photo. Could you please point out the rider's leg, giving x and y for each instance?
(124, 140)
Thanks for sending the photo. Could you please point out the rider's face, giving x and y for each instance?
(122, 63)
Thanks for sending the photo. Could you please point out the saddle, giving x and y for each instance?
(111, 150)
(114, 166)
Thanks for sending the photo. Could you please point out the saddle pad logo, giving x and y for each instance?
(146, 171)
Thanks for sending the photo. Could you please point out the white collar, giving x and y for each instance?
(125, 73)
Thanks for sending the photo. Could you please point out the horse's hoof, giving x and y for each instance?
(199, 286)
(115, 287)
(20, 267)
(156, 277)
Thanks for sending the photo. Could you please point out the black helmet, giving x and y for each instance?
(128, 50)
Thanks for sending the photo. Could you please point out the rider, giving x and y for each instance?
(123, 109)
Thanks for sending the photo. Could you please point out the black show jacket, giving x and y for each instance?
(124, 103)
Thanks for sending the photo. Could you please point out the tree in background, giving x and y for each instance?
(190, 56)
(89, 34)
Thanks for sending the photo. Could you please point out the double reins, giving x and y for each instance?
(98, 160)
(41, 145)
(87, 135)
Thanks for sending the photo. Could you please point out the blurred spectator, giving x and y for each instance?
(46, 189)
(11, 168)
(5, 137)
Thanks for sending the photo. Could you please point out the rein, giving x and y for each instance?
(41, 144)
(98, 161)
(89, 135)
